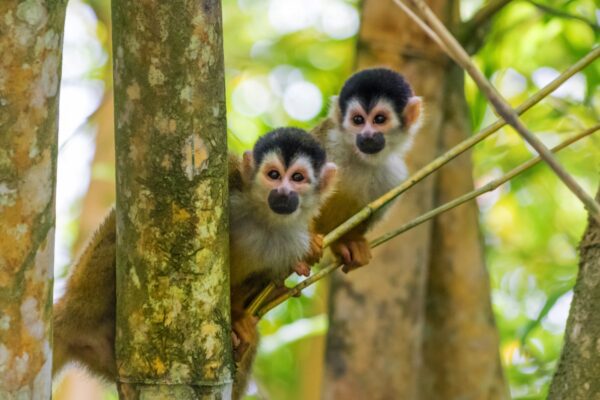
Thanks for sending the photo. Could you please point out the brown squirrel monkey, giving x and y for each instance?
(275, 193)
(370, 127)
(283, 183)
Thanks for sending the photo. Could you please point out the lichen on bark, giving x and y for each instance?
(31, 33)
(578, 373)
(172, 259)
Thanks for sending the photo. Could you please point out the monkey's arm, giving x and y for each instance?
(84, 318)
(352, 248)
(314, 255)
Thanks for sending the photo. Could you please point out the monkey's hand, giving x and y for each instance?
(354, 251)
(302, 268)
(244, 334)
(316, 249)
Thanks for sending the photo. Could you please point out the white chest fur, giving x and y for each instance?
(367, 182)
(258, 245)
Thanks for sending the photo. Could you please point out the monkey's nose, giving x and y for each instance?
(370, 144)
(283, 203)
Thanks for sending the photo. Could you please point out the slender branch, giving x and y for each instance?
(420, 22)
(563, 14)
(455, 50)
(445, 158)
(486, 12)
(468, 30)
(490, 186)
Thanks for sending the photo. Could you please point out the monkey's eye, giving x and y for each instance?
(273, 174)
(379, 119)
(358, 120)
(297, 177)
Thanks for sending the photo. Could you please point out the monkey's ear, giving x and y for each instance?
(327, 180)
(247, 166)
(412, 111)
(334, 109)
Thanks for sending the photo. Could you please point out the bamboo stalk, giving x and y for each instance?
(460, 56)
(490, 186)
(443, 159)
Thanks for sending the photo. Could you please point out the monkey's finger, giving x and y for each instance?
(302, 269)
(235, 339)
(239, 352)
(345, 253)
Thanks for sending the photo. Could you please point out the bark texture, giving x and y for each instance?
(31, 34)
(578, 373)
(173, 325)
(460, 348)
(377, 313)
(417, 322)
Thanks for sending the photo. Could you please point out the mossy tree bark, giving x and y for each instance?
(417, 322)
(31, 34)
(173, 336)
(578, 373)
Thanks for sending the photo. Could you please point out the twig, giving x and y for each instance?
(455, 50)
(447, 157)
(563, 14)
(486, 12)
(490, 186)
(469, 30)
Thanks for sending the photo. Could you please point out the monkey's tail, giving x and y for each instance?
(243, 372)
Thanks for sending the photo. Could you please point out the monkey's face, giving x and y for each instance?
(376, 130)
(286, 189)
(372, 130)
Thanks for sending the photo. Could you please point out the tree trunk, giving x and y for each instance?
(460, 347)
(578, 373)
(173, 325)
(417, 322)
(377, 313)
(31, 34)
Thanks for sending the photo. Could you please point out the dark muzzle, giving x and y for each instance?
(370, 144)
(283, 203)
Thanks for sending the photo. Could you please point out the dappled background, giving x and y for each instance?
(284, 59)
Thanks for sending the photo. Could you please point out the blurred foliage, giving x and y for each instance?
(286, 58)
(533, 225)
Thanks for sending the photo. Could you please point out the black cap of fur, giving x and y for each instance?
(290, 143)
(370, 85)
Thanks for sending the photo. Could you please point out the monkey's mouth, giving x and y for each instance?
(371, 144)
(283, 204)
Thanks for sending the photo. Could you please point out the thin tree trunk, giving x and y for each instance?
(461, 359)
(377, 313)
(578, 373)
(417, 322)
(31, 35)
(173, 326)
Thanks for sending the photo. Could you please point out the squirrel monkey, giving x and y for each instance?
(275, 193)
(370, 127)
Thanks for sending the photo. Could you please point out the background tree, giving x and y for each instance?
(429, 330)
(31, 35)
(579, 368)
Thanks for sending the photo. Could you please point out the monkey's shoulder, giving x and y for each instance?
(321, 130)
(234, 173)
(340, 206)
